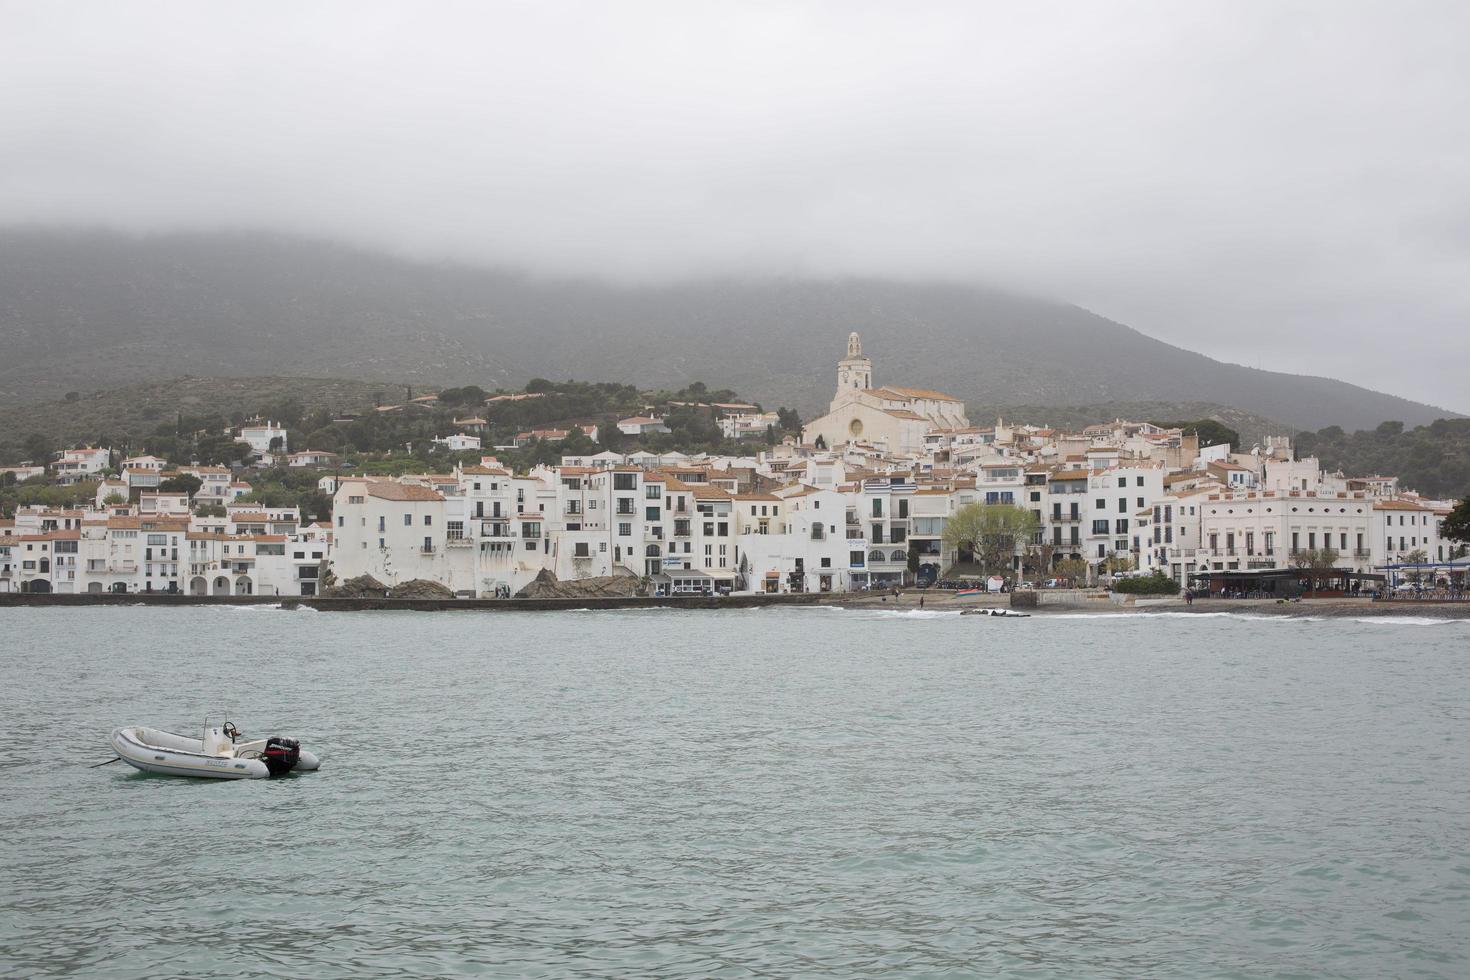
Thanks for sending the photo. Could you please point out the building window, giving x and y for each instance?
(428, 520)
(625, 530)
(408, 520)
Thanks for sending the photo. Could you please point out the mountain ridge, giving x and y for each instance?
(86, 310)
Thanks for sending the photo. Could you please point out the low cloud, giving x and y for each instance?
(1279, 185)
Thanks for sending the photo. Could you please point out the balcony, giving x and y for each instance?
(458, 543)
(427, 549)
(1362, 553)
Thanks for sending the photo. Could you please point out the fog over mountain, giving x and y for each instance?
(1278, 185)
(81, 311)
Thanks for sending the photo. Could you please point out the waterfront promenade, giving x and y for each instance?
(1067, 602)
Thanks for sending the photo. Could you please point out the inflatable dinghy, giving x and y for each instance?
(223, 753)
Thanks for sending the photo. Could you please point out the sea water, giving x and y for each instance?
(793, 792)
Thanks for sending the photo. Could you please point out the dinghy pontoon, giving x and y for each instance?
(223, 753)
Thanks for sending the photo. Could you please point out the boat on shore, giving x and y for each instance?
(1004, 613)
(222, 753)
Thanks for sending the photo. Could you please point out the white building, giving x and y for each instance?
(265, 438)
(85, 463)
(642, 425)
(317, 457)
(458, 442)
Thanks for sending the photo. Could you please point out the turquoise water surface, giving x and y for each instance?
(794, 792)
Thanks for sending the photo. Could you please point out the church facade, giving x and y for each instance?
(893, 417)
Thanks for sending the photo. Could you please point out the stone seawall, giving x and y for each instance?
(422, 605)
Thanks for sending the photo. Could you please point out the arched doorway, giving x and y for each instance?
(221, 586)
(94, 587)
(198, 586)
(118, 588)
(243, 586)
(36, 585)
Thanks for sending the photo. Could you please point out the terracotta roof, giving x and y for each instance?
(391, 490)
(919, 393)
(1397, 505)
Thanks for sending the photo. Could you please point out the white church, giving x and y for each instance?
(890, 417)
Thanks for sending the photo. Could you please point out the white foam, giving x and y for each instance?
(912, 613)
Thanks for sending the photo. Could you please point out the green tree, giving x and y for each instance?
(1320, 562)
(992, 533)
(38, 447)
(1038, 558)
(1457, 526)
(1416, 557)
(183, 483)
(1074, 570)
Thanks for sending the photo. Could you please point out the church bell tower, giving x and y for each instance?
(855, 371)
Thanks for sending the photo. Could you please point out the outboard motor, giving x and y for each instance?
(281, 755)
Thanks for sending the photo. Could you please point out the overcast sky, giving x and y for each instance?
(1284, 185)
